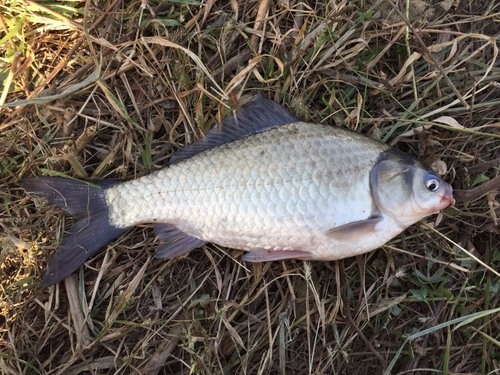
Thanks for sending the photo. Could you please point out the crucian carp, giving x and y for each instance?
(265, 182)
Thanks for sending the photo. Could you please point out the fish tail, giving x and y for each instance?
(92, 229)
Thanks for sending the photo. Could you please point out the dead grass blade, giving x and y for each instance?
(111, 89)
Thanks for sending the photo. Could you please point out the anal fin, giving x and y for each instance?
(262, 255)
(174, 242)
(353, 231)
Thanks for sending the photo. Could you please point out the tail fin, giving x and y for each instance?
(92, 229)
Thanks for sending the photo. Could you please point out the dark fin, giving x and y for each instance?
(173, 242)
(352, 231)
(92, 229)
(261, 255)
(256, 116)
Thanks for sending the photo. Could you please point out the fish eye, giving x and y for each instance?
(432, 183)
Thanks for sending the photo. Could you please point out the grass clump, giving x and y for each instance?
(112, 89)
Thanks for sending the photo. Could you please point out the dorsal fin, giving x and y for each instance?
(256, 116)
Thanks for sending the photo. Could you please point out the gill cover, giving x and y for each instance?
(407, 189)
(391, 181)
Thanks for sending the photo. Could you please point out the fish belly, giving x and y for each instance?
(281, 189)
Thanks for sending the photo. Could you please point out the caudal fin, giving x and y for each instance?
(92, 229)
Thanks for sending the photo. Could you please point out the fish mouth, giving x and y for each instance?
(446, 199)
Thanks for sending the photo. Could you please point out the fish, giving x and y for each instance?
(264, 182)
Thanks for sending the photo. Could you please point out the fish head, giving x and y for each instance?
(430, 192)
(407, 189)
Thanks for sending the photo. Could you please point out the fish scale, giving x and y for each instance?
(266, 182)
(283, 188)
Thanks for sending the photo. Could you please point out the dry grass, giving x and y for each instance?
(112, 88)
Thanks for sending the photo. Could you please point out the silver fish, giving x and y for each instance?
(266, 183)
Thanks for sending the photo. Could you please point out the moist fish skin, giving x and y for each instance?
(266, 183)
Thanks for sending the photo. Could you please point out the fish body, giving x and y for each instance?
(266, 183)
(282, 189)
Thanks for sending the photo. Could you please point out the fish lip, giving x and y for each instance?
(447, 196)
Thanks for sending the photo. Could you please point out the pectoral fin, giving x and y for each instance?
(353, 231)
